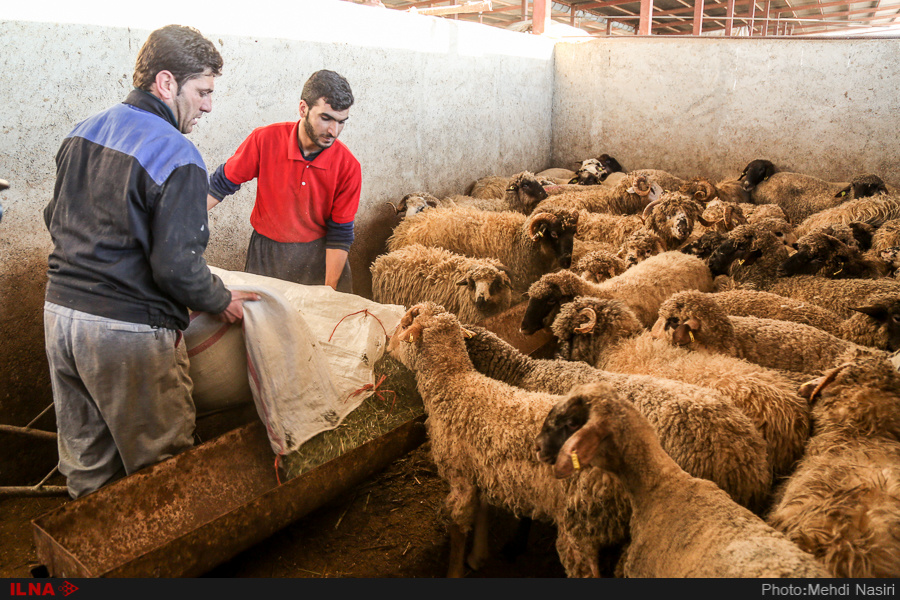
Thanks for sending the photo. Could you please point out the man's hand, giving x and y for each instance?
(235, 310)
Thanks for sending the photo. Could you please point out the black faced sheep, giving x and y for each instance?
(863, 186)
(482, 435)
(605, 333)
(750, 256)
(520, 193)
(681, 526)
(471, 288)
(825, 255)
(842, 504)
(695, 321)
(528, 246)
(643, 287)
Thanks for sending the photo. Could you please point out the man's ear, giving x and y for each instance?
(304, 109)
(165, 85)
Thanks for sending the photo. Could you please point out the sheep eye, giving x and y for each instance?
(779, 234)
(471, 284)
(672, 323)
(551, 301)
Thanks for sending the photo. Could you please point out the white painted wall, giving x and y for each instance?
(707, 107)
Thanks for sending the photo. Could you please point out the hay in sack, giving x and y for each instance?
(304, 354)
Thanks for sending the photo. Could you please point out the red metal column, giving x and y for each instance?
(752, 23)
(698, 17)
(729, 18)
(647, 17)
(540, 16)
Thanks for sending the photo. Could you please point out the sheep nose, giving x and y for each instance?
(480, 301)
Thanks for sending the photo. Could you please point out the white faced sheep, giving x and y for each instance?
(842, 504)
(471, 288)
(672, 217)
(599, 265)
(701, 429)
(590, 172)
(643, 287)
(481, 432)
(870, 307)
(681, 526)
(414, 203)
(875, 210)
(695, 321)
(528, 246)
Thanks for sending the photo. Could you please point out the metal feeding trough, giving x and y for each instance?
(192, 512)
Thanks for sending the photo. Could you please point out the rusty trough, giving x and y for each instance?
(192, 512)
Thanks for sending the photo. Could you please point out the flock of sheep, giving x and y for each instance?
(725, 396)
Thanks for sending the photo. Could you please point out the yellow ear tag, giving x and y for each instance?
(539, 234)
(575, 462)
(691, 333)
(839, 270)
(741, 261)
(410, 339)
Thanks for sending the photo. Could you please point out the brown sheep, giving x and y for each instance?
(842, 504)
(681, 526)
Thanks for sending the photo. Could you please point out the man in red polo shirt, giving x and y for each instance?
(307, 193)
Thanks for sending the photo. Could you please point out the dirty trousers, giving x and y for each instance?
(122, 395)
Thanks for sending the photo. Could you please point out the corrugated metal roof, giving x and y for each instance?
(737, 18)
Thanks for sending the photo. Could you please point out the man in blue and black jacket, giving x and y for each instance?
(129, 227)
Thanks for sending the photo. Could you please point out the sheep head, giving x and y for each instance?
(705, 245)
(822, 254)
(856, 399)
(489, 286)
(414, 203)
(863, 186)
(587, 325)
(565, 418)
(884, 309)
(699, 189)
(555, 232)
(672, 216)
(415, 326)
(755, 173)
(610, 165)
(639, 246)
(599, 265)
(524, 192)
(589, 173)
(544, 300)
(610, 420)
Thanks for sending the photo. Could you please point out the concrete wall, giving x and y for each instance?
(438, 104)
(707, 107)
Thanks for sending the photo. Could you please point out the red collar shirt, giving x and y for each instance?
(295, 197)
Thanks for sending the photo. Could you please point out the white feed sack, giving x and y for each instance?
(302, 352)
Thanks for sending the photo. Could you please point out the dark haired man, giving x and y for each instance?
(307, 193)
(129, 230)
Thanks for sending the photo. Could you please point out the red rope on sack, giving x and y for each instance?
(378, 393)
(364, 311)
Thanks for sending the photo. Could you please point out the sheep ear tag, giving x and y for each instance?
(467, 334)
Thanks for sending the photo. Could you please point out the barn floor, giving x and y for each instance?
(392, 525)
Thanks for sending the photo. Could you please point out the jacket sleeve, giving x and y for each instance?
(180, 232)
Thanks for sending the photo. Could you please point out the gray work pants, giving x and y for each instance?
(122, 395)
